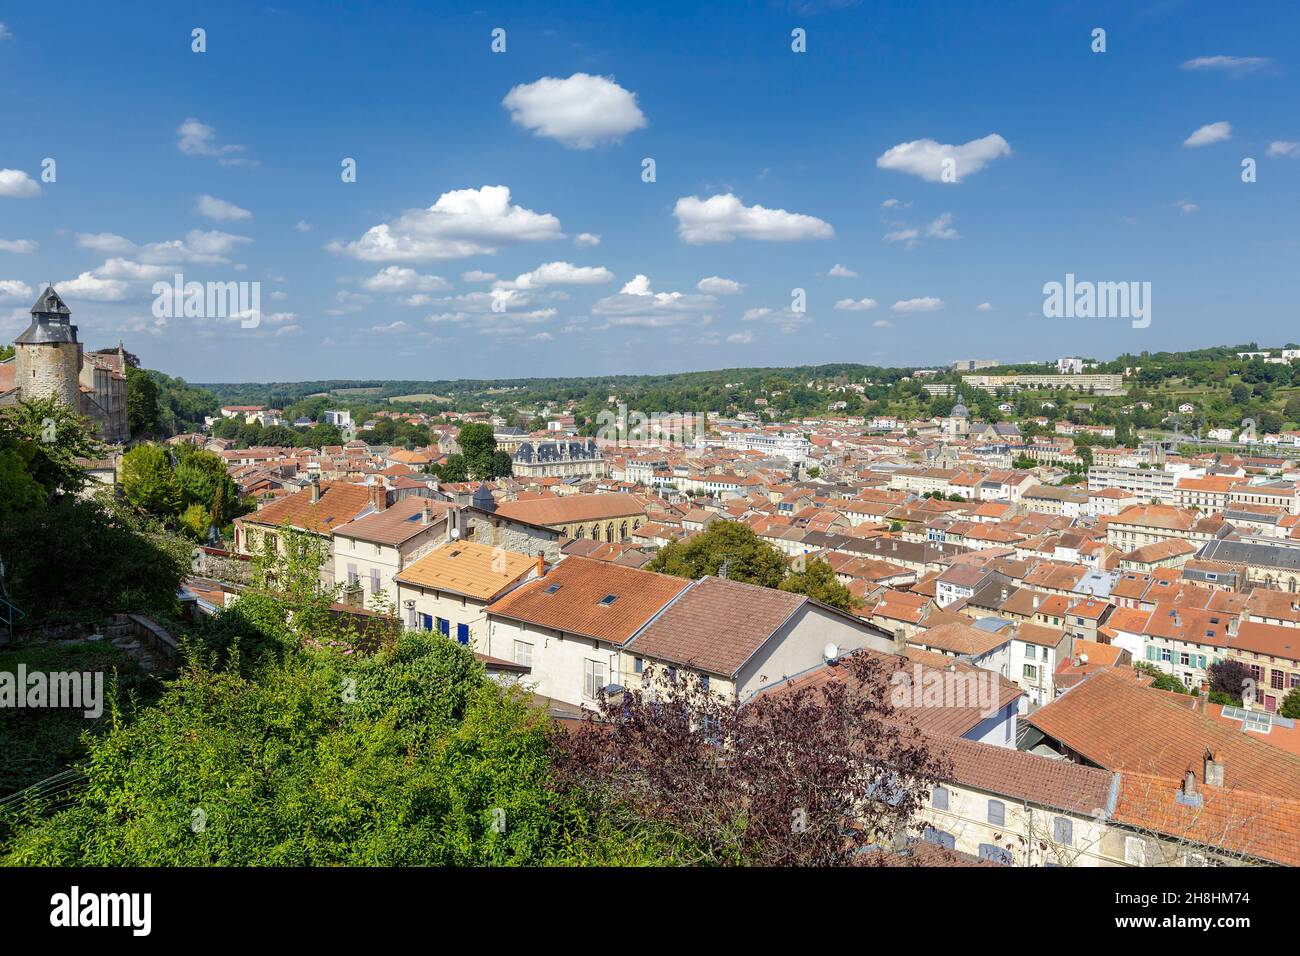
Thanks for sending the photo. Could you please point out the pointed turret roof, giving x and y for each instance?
(50, 321)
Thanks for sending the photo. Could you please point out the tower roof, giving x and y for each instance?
(50, 321)
(483, 499)
(49, 303)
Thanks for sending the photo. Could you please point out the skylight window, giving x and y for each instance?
(553, 588)
(608, 599)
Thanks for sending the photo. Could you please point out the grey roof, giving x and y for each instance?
(549, 451)
(50, 321)
(483, 499)
(49, 303)
(1244, 552)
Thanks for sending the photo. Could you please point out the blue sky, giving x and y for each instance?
(771, 168)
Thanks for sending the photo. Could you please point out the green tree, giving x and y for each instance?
(1291, 704)
(502, 464)
(143, 412)
(203, 481)
(453, 469)
(96, 557)
(149, 481)
(748, 558)
(477, 446)
(817, 580)
(58, 436)
(19, 491)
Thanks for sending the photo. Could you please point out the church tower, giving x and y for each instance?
(47, 355)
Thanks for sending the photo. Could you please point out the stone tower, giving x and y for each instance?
(47, 355)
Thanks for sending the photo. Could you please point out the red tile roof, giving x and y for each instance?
(569, 598)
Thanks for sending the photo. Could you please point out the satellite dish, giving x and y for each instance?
(830, 652)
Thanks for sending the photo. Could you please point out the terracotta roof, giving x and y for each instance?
(466, 567)
(1275, 640)
(571, 597)
(396, 523)
(1117, 724)
(339, 503)
(716, 625)
(924, 716)
(1036, 779)
(562, 510)
(1236, 822)
(961, 638)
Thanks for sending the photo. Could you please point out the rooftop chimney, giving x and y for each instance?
(541, 564)
(1005, 594)
(1036, 600)
(1189, 784)
(1213, 770)
(379, 497)
(315, 488)
(426, 512)
(1232, 627)
(453, 524)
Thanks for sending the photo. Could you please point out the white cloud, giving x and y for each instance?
(558, 273)
(1229, 64)
(637, 304)
(1186, 207)
(585, 240)
(580, 112)
(199, 139)
(941, 228)
(107, 242)
(842, 272)
(392, 328)
(5, 32)
(716, 285)
(477, 275)
(1282, 148)
(855, 305)
(119, 268)
(882, 324)
(925, 157)
(924, 304)
(787, 320)
(723, 218)
(1209, 133)
(402, 279)
(464, 222)
(302, 225)
(895, 204)
(219, 209)
(16, 184)
(984, 307)
(21, 246)
(542, 337)
(908, 235)
(740, 338)
(15, 289)
(88, 286)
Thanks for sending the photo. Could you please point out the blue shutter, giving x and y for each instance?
(462, 633)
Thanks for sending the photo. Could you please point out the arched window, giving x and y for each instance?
(622, 536)
(595, 532)
(609, 532)
(582, 532)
